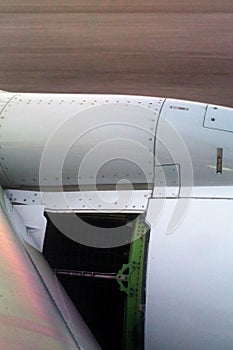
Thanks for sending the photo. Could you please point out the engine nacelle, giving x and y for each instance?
(160, 168)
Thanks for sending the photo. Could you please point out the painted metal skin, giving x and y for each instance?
(35, 312)
(178, 156)
(189, 277)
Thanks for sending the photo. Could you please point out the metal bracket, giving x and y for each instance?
(123, 278)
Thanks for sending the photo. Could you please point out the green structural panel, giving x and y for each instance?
(131, 279)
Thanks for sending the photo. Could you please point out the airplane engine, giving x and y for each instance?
(130, 201)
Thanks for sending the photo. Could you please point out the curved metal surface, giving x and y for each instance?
(52, 139)
(189, 277)
(196, 151)
(29, 317)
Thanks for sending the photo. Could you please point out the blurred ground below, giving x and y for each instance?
(175, 49)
